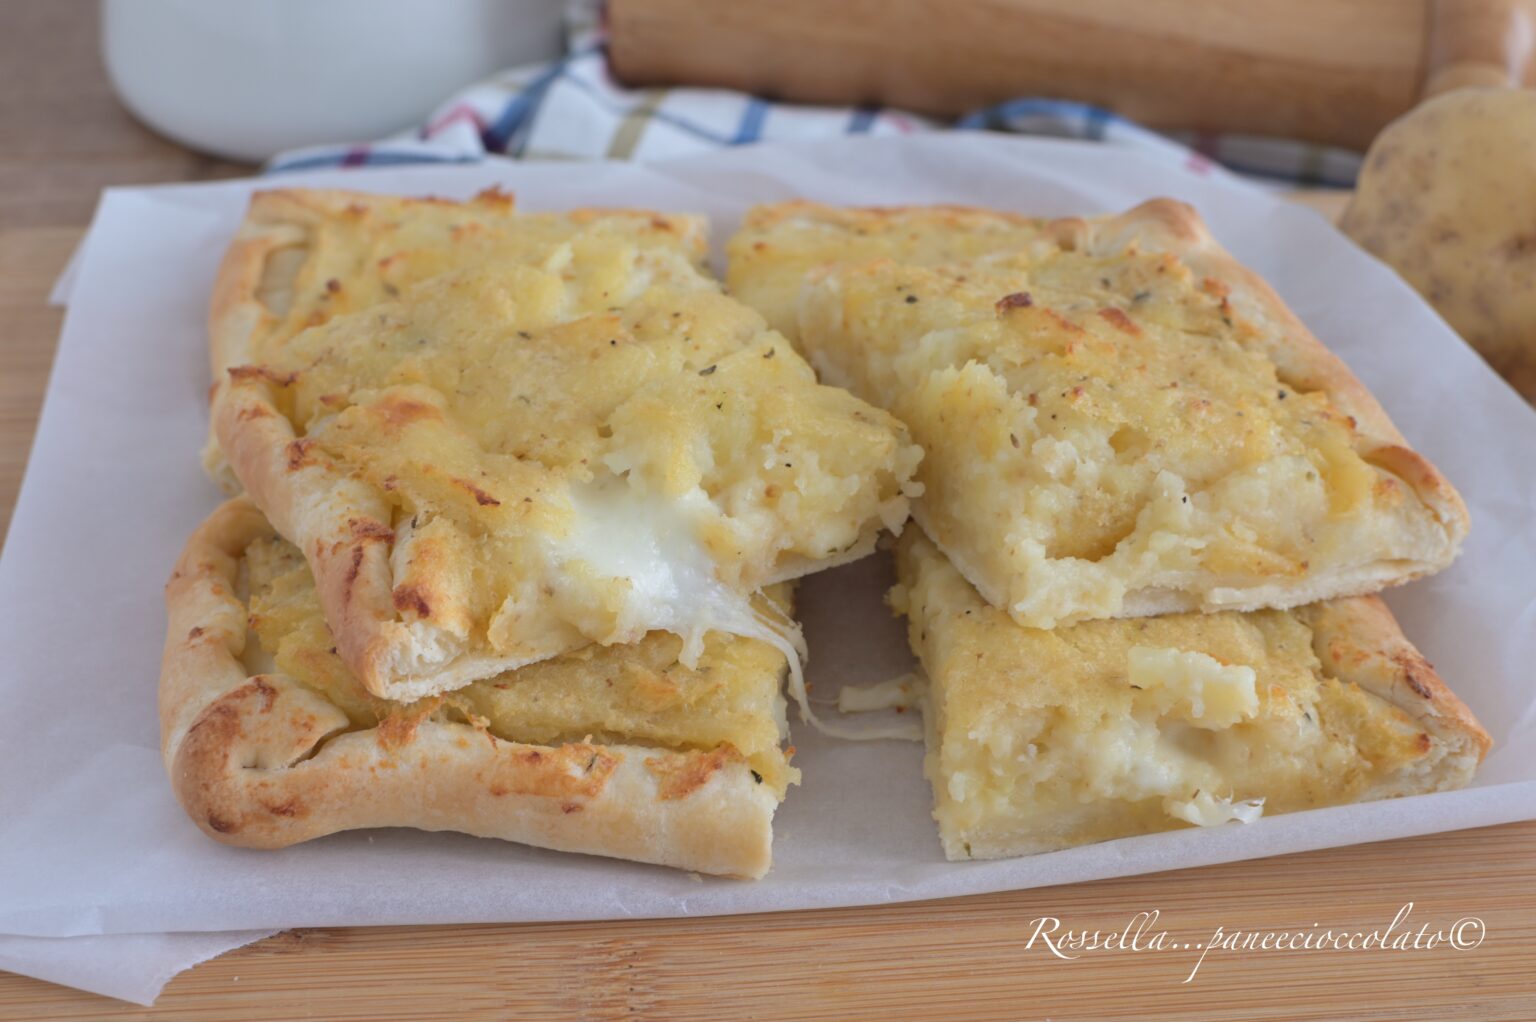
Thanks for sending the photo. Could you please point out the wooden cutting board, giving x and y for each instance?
(961, 959)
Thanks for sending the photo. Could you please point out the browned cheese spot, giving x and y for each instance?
(352, 571)
(1120, 321)
(266, 691)
(411, 597)
(399, 412)
(288, 807)
(1413, 667)
(399, 728)
(245, 374)
(481, 497)
(1214, 287)
(298, 453)
(368, 528)
(681, 774)
(567, 772)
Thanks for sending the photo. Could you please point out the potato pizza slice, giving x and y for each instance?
(503, 462)
(610, 750)
(1118, 419)
(1043, 739)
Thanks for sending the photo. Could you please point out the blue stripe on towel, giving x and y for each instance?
(752, 119)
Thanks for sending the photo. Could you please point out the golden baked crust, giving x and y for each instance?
(1047, 739)
(269, 742)
(500, 436)
(1119, 419)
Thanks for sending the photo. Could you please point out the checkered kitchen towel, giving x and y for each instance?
(573, 108)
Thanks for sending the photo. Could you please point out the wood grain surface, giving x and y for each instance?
(1316, 69)
(963, 959)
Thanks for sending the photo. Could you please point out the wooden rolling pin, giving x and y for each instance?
(1332, 71)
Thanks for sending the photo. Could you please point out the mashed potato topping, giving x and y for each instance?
(636, 694)
(1104, 437)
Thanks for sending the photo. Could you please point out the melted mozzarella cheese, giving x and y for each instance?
(1207, 810)
(898, 693)
(1206, 692)
(623, 531)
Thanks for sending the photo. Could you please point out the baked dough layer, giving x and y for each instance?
(501, 439)
(1119, 419)
(618, 751)
(1039, 740)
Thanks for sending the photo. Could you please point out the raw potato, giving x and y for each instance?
(1448, 197)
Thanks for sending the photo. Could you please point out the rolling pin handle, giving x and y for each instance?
(1479, 43)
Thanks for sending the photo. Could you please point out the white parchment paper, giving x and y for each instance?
(92, 844)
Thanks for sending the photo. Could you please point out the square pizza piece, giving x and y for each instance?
(1044, 739)
(611, 750)
(1118, 419)
(568, 435)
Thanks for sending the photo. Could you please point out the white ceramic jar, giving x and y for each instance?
(246, 79)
